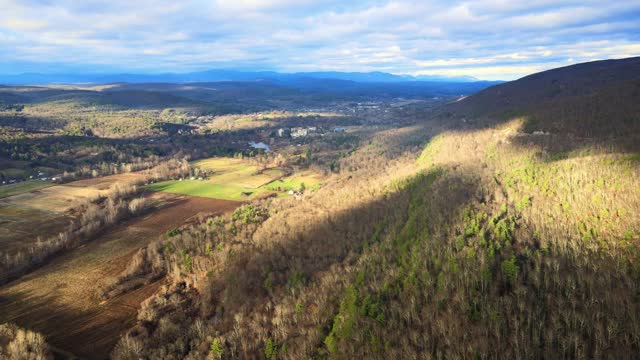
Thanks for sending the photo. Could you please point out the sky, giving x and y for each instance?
(487, 39)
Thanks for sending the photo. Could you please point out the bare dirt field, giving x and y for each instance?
(59, 198)
(59, 299)
(44, 212)
(20, 226)
(105, 182)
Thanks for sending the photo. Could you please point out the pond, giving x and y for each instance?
(260, 145)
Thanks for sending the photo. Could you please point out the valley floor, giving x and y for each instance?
(59, 299)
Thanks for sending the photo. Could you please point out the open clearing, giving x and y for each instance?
(40, 209)
(304, 180)
(59, 198)
(20, 226)
(44, 195)
(236, 179)
(22, 187)
(105, 182)
(231, 179)
(206, 189)
(238, 172)
(59, 298)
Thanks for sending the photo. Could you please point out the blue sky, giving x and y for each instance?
(488, 39)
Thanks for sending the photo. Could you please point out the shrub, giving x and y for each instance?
(17, 343)
(296, 280)
(524, 203)
(139, 205)
(249, 214)
(216, 350)
(174, 232)
(270, 349)
(510, 270)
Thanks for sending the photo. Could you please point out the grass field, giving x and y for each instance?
(206, 189)
(36, 208)
(236, 179)
(232, 179)
(22, 187)
(310, 181)
(105, 182)
(222, 164)
(14, 173)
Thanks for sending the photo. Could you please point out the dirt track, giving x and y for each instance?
(59, 298)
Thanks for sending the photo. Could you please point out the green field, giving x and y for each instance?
(236, 179)
(22, 187)
(237, 172)
(206, 188)
(308, 182)
(232, 179)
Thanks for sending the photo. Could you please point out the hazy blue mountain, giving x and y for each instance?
(222, 75)
(463, 78)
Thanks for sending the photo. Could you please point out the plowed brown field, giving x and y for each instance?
(59, 299)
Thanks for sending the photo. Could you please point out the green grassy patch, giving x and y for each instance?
(237, 179)
(13, 173)
(22, 187)
(306, 182)
(237, 172)
(206, 189)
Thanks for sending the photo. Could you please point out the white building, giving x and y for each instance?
(299, 132)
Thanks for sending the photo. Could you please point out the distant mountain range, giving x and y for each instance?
(223, 75)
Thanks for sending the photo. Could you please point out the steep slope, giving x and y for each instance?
(597, 100)
(491, 243)
(575, 80)
(515, 248)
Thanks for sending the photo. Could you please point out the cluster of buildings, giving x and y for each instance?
(297, 132)
(41, 176)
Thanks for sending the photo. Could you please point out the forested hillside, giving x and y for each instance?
(596, 100)
(469, 234)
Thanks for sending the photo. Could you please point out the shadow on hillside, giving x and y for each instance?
(336, 241)
(328, 239)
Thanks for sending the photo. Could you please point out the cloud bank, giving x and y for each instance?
(488, 39)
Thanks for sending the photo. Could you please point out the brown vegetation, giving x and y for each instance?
(91, 217)
(497, 239)
(494, 242)
(20, 344)
(59, 300)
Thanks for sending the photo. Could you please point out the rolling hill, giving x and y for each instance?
(490, 242)
(503, 225)
(598, 100)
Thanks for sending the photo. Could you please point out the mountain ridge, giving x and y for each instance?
(222, 75)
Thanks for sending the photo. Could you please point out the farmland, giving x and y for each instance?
(22, 187)
(237, 179)
(301, 181)
(22, 225)
(206, 189)
(61, 294)
(36, 209)
(59, 299)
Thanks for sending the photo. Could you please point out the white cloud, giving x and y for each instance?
(482, 38)
(24, 24)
